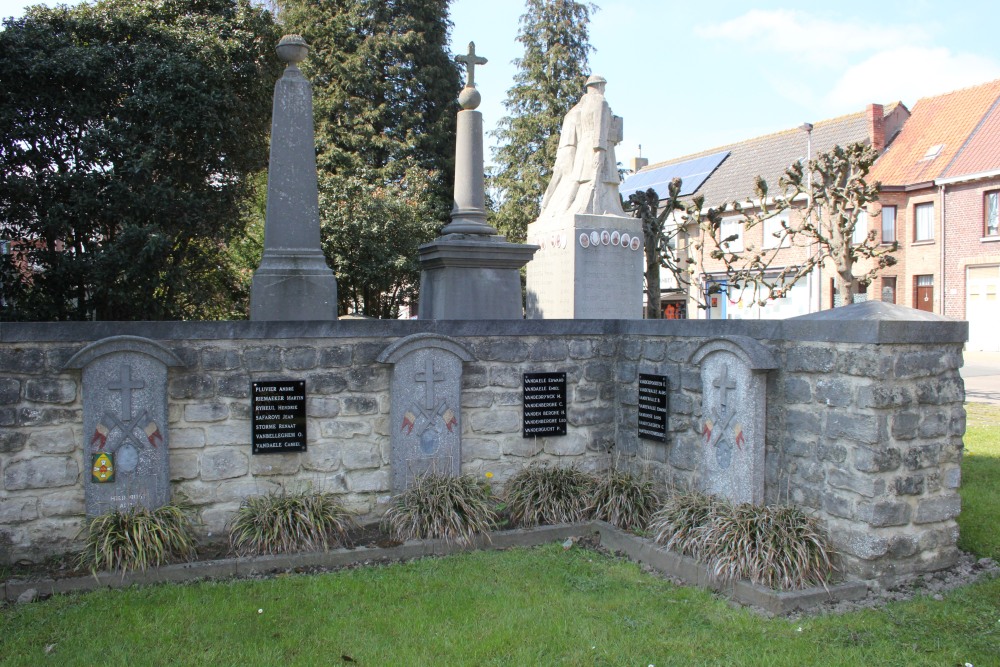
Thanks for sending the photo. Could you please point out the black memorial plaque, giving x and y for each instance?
(544, 402)
(654, 391)
(278, 415)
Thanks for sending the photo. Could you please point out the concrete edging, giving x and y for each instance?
(637, 549)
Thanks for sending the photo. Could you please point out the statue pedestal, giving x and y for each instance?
(587, 267)
(472, 277)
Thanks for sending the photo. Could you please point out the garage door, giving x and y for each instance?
(982, 308)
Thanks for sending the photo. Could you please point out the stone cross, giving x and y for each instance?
(470, 61)
(724, 384)
(125, 385)
(429, 377)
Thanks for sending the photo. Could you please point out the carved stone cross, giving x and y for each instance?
(724, 384)
(429, 377)
(125, 385)
(470, 62)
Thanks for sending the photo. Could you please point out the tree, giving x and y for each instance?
(836, 194)
(549, 81)
(129, 132)
(384, 87)
(660, 242)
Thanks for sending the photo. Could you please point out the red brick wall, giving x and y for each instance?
(965, 244)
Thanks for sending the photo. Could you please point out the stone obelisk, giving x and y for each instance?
(470, 272)
(293, 281)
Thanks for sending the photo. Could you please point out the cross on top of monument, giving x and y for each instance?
(470, 61)
(125, 384)
(430, 377)
(724, 385)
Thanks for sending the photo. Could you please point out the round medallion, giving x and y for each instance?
(127, 458)
(584, 241)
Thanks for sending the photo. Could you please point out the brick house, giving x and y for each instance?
(941, 185)
(727, 174)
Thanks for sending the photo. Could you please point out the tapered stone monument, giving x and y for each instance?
(293, 281)
(470, 272)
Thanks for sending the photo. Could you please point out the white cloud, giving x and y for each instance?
(810, 37)
(907, 74)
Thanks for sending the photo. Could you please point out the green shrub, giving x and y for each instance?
(137, 538)
(541, 494)
(778, 546)
(453, 508)
(287, 522)
(624, 500)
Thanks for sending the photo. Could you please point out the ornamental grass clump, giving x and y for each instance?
(137, 538)
(540, 494)
(437, 506)
(777, 546)
(624, 500)
(287, 522)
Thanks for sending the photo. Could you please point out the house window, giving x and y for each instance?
(860, 234)
(775, 235)
(924, 227)
(991, 212)
(888, 224)
(889, 290)
(731, 227)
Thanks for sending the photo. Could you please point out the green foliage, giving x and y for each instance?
(778, 546)
(541, 494)
(624, 500)
(384, 88)
(287, 522)
(137, 538)
(449, 507)
(549, 81)
(129, 130)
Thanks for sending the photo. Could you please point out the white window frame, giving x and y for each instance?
(923, 225)
(860, 234)
(771, 227)
(882, 218)
(991, 213)
(728, 227)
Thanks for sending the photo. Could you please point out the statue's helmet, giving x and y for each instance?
(595, 79)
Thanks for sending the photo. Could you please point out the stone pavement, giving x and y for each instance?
(981, 373)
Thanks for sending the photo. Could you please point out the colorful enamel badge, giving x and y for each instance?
(103, 469)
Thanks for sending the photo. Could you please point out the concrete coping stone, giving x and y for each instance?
(115, 344)
(638, 549)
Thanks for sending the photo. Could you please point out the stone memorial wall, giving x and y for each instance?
(862, 422)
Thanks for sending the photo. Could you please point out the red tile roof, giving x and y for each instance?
(982, 151)
(935, 134)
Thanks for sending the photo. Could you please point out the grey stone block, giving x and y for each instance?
(522, 447)
(227, 434)
(12, 442)
(598, 371)
(506, 376)
(336, 356)
(911, 485)
(359, 405)
(572, 444)
(590, 415)
(287, 463)
(941, 508)
(866, 429)
(184, 465)
(863, 485)
(325, 384)
(934, 425)
(685, 454)
(922, 456)
(656, 350)
(21, 360)
(234, 386)
(8, 417)
(223, 463)
(192, 385)
(53, 441)
(919, 364)
(879, 459)
(797, 390)
(581, 349)
(220, 359)
(880, 396)
(368, 481)
(262, 358)
(320, 407)
(803, 421)
(631, 349)
(952, 477)
(323, 458)
(474, 376)
(902, 546)
(834, 392)
(549, 350)
(41, 472)
(882, 514)
(861, 544)
(56, 358)
(480, 448)
(477, 399)
(810, 359)
(366, 353)
(62, 503)
(10, 391)
(187, 438)
(799, 447)
(831, 452)
(301, 358)
(206, 412)
(47, 416)
(905, 425)
(344, 429)
(496, 421)
(866, 362)
(838, 505)
(940, 391)
(18, 510)
(370, 379)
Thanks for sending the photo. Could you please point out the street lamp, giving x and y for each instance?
(817, 298)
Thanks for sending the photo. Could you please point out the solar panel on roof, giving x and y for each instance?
(693, 173)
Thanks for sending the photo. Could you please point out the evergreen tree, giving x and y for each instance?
(549, 81)
(129, 133)
(384, 88)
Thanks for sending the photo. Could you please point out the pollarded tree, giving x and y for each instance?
(836, 193)
(129, 131)
(549, 81)
(384, 87)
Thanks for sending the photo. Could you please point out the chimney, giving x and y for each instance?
(638, 163)
(876, 127)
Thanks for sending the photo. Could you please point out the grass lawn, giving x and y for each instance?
(542, 606)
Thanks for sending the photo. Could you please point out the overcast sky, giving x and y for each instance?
(694, 75)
